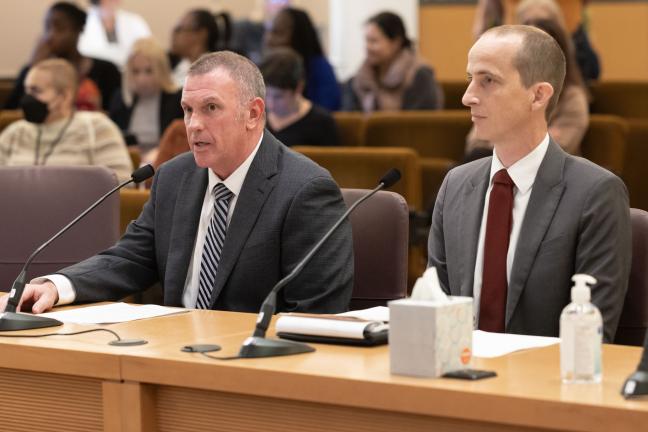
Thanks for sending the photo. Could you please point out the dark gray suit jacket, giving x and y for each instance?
(577, 221)
(286, 204)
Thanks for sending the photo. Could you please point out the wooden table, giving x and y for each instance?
(81, 383)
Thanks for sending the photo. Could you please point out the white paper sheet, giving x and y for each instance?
(111, 313)
(378, 313)
(489, 345)
(485, 344)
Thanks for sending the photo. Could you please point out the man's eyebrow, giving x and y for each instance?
(486, 72)
(209, 99)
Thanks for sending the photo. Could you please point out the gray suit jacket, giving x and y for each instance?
(286, 204)
(577, 221)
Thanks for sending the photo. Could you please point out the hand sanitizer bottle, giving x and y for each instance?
(581, 335)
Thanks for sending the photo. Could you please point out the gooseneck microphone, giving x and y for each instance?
(12, 321)
(637, 384)
(258, 345)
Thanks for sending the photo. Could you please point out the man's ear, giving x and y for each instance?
(255, 113)
(542, 93)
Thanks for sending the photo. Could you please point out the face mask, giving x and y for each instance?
(35, 111)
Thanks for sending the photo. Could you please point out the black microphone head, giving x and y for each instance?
(143, 173)
(390, 178)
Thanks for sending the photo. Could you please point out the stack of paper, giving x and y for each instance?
(111, 313)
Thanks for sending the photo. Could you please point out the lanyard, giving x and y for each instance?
(53, 145)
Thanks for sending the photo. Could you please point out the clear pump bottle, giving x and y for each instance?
(581, 335)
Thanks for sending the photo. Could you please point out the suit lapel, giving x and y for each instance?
(470, 222)
(184, 227)
(257, 186)
(545, 196)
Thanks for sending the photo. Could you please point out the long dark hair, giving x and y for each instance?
(392, 26)
(304, 38)
(74, 13)
(218, 36)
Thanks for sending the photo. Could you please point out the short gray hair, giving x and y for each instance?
(240, 69)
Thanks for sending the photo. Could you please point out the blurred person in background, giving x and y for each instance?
(149, 100)
(392, 77)
(293, 28)
(198, 32)
(54, 133)
(98, 79)
(292, 118)
(111, 32)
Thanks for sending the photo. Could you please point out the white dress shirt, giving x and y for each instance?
(234, 183)
(523, 174)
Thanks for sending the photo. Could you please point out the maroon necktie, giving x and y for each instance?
(492, 304)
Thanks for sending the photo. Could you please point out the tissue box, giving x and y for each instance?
(429, 338)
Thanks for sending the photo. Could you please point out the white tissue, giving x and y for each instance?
(427, 287)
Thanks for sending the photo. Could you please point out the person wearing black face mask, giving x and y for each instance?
(53, 133)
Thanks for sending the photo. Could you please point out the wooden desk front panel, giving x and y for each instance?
(37, 401)
(181, 409)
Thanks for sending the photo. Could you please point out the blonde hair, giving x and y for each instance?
(64, 76)
(149, 48)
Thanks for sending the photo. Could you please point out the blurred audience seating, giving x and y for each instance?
(604, 142)
(438, 137)
(454, 91)
(636, 162)
(626, 99)
(9, 116)
(6, 85)
(131, 204)
(362, 167)
(351, 126)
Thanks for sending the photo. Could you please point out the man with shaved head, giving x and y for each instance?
(510, 230)
(226, 221)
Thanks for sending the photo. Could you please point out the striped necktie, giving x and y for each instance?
(213, 247)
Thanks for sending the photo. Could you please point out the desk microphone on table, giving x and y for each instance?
(258, 345)
(637, 384)
(10, 320)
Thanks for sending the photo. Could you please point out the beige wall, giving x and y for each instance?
(619, 32)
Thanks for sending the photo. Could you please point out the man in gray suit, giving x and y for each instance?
(510, 230)
(225, 223)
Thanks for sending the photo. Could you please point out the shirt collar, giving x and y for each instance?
(235, 181)
(524, 171)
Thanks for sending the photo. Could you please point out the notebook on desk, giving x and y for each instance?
(332, 329)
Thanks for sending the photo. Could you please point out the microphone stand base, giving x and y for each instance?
(12, 321)
(255, 347)
(636, 385)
